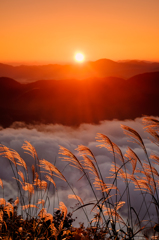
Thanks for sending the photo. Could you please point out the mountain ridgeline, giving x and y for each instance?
(72, 102)
(97, 69)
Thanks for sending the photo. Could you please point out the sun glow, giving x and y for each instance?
(79, 57)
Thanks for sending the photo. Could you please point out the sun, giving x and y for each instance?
(79, 57)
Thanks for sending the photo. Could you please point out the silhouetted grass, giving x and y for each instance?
(115, 214)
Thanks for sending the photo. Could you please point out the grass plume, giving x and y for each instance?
(115, 216)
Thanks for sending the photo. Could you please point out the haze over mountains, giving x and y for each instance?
(72, 102)
(99, 69)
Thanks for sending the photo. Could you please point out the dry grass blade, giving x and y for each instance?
(28, 206)
(16, 202)
(124, 175)
(147, 176)
(112, 212)
(108, 144)
(41, 184)
(118, 153)
(151, 122)
(28, 187)
(41, 201)
(87, 204)
(22, 163)
(30, 149)
(22, 176)
(143, 185)
(100, 185)
(133, 135)
(89, 165)
(50, 180)
(8, 153)
(73, 196)
(131, 155)
(156, 158)
(97, 217)
(63, 209)
(105, 200)
(154, 134)
(11, 155)
(115, 168)
(119, 205)
(150, 170)
(70, 157)
(119, 172)
(85, 150)
(51, 168)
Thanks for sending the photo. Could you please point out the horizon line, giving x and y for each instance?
(42, 63)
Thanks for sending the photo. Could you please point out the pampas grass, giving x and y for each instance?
(114, 214)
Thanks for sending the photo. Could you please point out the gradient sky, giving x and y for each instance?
(43, 31)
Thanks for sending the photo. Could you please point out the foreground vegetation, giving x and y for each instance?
(115, 215)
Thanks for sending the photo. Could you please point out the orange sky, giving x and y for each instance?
(44, 31)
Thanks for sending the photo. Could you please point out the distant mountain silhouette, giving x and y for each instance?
(99, 69)
(72, 102)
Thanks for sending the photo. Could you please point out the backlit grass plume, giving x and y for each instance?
(116, 215)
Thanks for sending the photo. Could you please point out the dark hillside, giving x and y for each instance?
(72, 102)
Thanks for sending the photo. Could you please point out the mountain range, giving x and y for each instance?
(72, 102)
(98, 69)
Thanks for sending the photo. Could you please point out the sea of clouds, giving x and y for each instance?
(47, 138)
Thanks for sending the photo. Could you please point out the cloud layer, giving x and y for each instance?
(46, 140)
